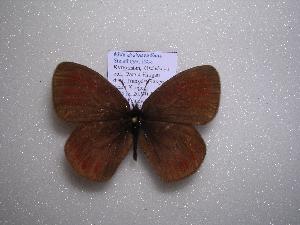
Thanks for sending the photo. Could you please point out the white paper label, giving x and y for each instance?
(135, 69)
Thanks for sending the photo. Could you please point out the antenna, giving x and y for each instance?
(143, 92)
(126, 91)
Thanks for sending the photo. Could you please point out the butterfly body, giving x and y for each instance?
(107, 128)
(136, 119)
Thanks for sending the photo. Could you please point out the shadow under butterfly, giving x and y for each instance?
(107, 127)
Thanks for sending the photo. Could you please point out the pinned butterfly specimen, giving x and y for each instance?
(107, 127)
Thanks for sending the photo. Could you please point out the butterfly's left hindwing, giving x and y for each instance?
(96, 149)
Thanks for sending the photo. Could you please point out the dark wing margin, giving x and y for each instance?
(82, 95)
(96, 149)
(190, 97)
(174, 150)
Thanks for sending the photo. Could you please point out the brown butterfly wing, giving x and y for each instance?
(171, 143)
(191, 97)
(98, 145)
(96, 149)
(81, 94)
(174, 150)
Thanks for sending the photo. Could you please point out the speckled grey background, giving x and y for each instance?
(251, 172)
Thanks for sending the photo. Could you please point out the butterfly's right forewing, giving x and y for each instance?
(190, 97)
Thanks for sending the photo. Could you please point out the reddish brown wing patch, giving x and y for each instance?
(191, 96)
(174, 150)
(96, 149)
(81, 94)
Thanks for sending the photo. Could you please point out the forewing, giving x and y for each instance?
(191, 97)
(96, 149)
(81, 94)
(174, 150)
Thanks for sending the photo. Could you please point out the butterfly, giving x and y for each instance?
(107, 127)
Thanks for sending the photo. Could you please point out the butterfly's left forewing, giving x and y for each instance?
(82, 95)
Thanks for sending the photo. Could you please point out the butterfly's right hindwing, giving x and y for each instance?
(174, 150)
